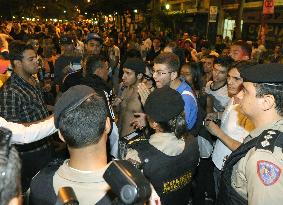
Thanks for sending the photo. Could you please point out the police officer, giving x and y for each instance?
(170, 157)
(253, 173)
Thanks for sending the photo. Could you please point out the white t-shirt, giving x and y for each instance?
(231, 127)
(220, 97)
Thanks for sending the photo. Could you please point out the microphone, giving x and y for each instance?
(66, 196)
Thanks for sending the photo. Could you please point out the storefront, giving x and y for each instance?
(270, 25)
(253, 20)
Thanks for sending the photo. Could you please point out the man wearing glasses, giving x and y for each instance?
(166, 73)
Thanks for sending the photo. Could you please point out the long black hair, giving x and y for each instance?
(177, 125)
(197, 73)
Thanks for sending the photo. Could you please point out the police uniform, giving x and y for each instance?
(168, 162)
(253, 173)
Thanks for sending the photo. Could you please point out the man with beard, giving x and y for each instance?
(235, 126)
(22, 100)
(129, 102)
(165, 73)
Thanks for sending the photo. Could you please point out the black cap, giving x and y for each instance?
(163, 104)
(263, 73)
(135, 64)
(66, 40)
(71, 99)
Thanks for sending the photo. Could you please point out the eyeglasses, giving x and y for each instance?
(5, 144)
(159, 72)
(148, 78)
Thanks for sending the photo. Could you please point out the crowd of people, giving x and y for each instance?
(203, 121)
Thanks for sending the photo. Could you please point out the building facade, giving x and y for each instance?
(194, 16)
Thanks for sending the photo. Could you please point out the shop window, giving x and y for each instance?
(229, 26)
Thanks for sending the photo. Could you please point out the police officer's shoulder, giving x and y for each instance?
(268, 157)
(266, 165)
(268, 139)
(263, 73)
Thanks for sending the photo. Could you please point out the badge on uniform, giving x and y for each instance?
(268, 172)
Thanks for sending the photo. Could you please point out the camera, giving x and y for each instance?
(127, 182)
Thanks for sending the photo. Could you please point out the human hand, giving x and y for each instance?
(212, 127)
(213, 116)
(116, 101)
(140, 120)
(47, 87)
(154, 198)
(143, 92)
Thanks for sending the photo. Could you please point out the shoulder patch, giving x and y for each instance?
(268, 172)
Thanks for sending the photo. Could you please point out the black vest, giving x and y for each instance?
(42, 191)
(227, 194)
(171, 176)
(130, 142)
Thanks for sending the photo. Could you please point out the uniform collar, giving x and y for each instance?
(69, 173)
(276, 125)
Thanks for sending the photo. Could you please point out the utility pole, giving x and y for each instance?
(238, 31)
(220, 18)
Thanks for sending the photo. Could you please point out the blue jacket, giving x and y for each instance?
(190, 100)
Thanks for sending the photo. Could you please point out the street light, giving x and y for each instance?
(65, 11)
(167, 6)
